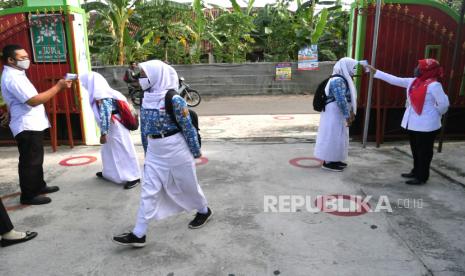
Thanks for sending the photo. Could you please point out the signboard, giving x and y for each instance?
(48, 38)
(283, 71)
(308, 58)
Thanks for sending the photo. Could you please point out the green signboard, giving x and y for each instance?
(48, 38)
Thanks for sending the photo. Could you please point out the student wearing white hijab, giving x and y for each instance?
(119, 158)
(332, 143)
(170, 183)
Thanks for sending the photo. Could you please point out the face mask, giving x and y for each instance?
(352, 72)
(416, 72)
(23, 64)
(145, 83)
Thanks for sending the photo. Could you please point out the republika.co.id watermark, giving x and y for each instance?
(342, 205)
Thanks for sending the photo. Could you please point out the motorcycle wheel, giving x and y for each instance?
(192, 98)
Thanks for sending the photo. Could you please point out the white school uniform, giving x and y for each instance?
(119, 159)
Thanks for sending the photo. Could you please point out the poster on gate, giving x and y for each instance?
(308, 58)
(48, 38)
(283, 71)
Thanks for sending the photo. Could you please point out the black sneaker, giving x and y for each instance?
(408, 175)
(341, 164)
(38, 200)
(200, 219)
(129, 239)
(332, 166)
(49, 190)
(131, 184)
(99, 175)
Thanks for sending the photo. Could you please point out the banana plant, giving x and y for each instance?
(117, 14)
(202, 30)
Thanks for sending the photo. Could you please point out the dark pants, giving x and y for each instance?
(31, 158)
(5, 222)
(422, 144)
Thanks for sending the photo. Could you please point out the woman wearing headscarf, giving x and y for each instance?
(425, 105)
(119, 159)
(332, 142)
(170, 183)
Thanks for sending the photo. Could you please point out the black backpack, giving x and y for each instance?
(320, 100)
(169, 110)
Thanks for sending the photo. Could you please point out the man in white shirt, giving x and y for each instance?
(28, 122)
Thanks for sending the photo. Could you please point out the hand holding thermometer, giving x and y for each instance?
(364, 63)
(70, 76)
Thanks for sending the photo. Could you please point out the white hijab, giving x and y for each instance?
(162, 78)
(98, 88)
(346, 67)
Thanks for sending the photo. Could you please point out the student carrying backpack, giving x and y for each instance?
(129, 117)
(169, 110)
(320, 100)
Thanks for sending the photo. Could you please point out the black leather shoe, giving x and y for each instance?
(49, 190)
(414, 182)
(99, 174)
(29, 236)
(408, 175)
(38, 200)
(131, 184)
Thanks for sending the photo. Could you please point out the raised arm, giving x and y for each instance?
(391, 79)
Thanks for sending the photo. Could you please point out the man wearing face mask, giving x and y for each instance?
(28, 121)
(332, 142)
(425, 105)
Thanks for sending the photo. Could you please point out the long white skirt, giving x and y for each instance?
(119, 158)
(332, 141)
(170, 182)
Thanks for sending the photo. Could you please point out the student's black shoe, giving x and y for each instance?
(341, 164)
(332, 166)
(414, 182)
(129, 239)
(99, 174)
(29, 236)
(38, 200)
(49, 190)
(131, 184)
(200, 219)
(408, 175)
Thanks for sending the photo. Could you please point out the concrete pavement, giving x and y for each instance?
(423, 235)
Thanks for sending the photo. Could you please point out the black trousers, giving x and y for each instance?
(31, 159)
(422, 146)
(5, 222)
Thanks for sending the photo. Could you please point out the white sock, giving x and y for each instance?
(204, 210)
(13, 235)
(140, 229)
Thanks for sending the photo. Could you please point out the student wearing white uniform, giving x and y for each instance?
(28, 122)
(332, 141)
(426, 103)
(119, 159)
(170, 183)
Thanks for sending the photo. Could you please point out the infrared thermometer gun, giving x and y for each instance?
(70, 76)
(364, 63)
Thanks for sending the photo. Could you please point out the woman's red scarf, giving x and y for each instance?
(431, 71)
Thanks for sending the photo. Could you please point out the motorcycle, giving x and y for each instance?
(191, 96)
(135, 94)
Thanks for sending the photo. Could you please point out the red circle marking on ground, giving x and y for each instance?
(360, 210)
(296, 162)
(283, 118)
(220, 118)
(201, 161)
(13, 207)
(89, 160)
